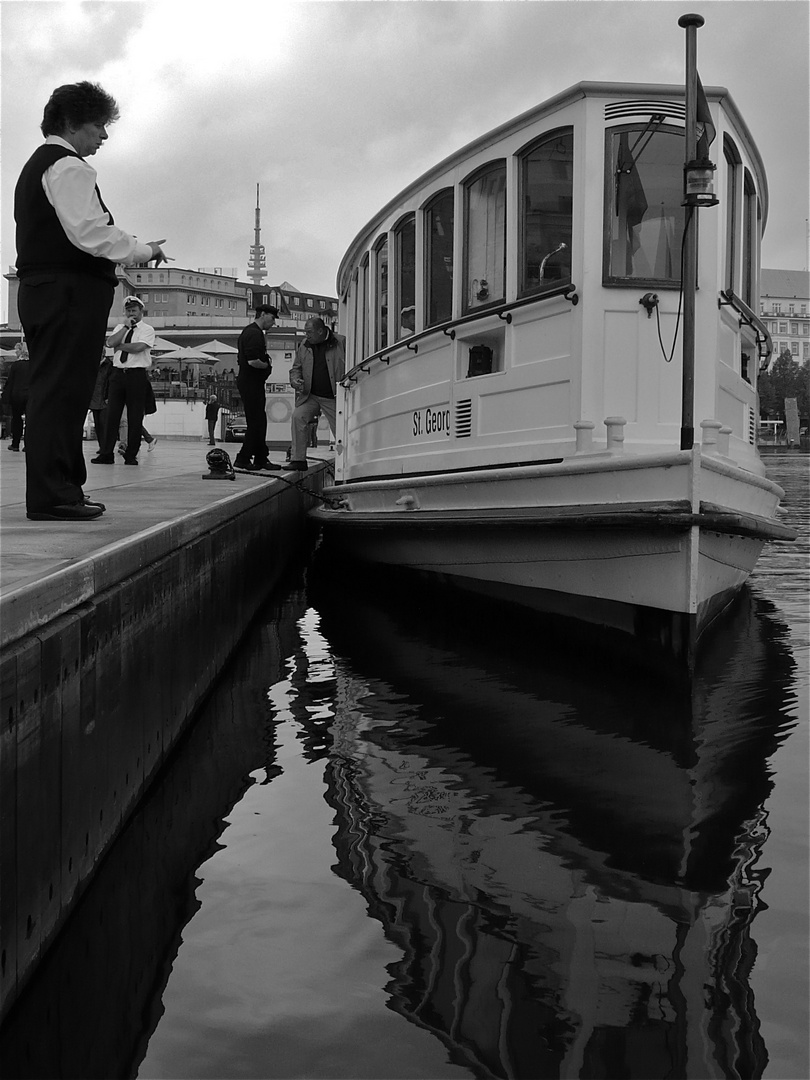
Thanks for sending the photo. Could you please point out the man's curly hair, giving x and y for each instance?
(76, 104)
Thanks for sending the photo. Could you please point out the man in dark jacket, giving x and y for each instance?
(254, 369)
(319, 365)
(15, 394)
(67, 250)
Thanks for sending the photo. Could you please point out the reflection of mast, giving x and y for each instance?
(257, 269)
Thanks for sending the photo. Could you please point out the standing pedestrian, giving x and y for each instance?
(132, 341)
(254, 369)
(67, 250)
(211, 413)
(15, 393)
(100, 399)
(319, 365)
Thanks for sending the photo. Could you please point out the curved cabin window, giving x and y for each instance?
(381, 293)
(405, 249)
(362, 328)
(547, 176)
(439, 258)
(485, 238)
(732, 163)
(750, 238)
(643, 212)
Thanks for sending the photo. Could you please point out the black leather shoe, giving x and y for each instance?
(267, 465)
(298, 466)
(94, 502)
(78, 511)
(237, 464)
(103, 459)
(130, 461)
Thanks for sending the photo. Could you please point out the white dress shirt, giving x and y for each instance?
(143, 359)
(70, 187)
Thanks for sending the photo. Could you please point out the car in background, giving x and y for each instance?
(235, 428)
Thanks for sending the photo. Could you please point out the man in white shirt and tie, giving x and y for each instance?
(67, 249)
(132, 341)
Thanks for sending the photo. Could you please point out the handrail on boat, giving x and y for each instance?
(503, 311)
(747, 315)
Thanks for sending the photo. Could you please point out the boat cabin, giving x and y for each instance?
(521, 303)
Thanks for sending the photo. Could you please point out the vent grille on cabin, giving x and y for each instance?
(619, 109)
(463, 419)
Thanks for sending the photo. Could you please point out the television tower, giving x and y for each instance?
(257, 269)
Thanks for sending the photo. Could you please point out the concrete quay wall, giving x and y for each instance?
(103, 666)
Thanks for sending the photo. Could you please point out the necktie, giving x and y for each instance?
(126, 341)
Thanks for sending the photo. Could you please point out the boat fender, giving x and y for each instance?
(407, 502)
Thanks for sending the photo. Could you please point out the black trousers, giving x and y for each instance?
(18, 407)
(64, 316)
(251, 392)
(127, 390)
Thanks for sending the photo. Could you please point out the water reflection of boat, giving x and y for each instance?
(568, 869)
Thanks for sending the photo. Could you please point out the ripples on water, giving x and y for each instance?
(409, 839)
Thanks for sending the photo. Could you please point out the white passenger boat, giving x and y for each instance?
(534, 339)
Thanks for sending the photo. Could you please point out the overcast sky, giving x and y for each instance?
(333, 107)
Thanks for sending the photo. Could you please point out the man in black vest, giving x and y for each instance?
(67, 250)
(254, 369)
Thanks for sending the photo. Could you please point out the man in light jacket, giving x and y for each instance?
(319, 365)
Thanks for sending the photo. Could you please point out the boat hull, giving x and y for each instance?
(650, 569)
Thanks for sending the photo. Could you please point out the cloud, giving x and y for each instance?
(335, 107)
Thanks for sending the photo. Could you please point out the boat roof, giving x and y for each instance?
(553, 104)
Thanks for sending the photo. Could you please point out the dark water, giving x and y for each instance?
(411, 839)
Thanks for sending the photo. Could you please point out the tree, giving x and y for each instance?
(785, 378)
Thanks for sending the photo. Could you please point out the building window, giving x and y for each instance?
(145, 297)
(782, 327)
(439, 258)
(405, 279)
(322, 305)
(806, 350)
(485, 237)
(794, 328)
(791, 308)
(777, 308)
(794, 348)
(643, 214)
(546, 202)
(381, 281)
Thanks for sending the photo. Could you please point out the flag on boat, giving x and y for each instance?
(706, 130)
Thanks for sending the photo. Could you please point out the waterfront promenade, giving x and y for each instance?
(165, 487)
(113, 631)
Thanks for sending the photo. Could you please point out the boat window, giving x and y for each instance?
(485, 238)
(643, 212)
(732, 163)
(362, 330)
(439, 258)
(750, 238)
(381, 320)
(547, 172)
(405, 248)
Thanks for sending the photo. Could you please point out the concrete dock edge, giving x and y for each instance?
(103, 665)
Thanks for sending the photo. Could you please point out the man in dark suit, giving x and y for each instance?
(67, 249)
(254, 370)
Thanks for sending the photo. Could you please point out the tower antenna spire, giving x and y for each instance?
(257, 267)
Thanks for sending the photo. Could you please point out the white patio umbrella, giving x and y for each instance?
(181, 358)
(218, 348)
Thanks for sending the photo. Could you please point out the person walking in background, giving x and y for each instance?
(99, 400)
(15, 393)
(319, 365)
(254, 369)
(67, 249)
(211, 413)
(132, 342)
